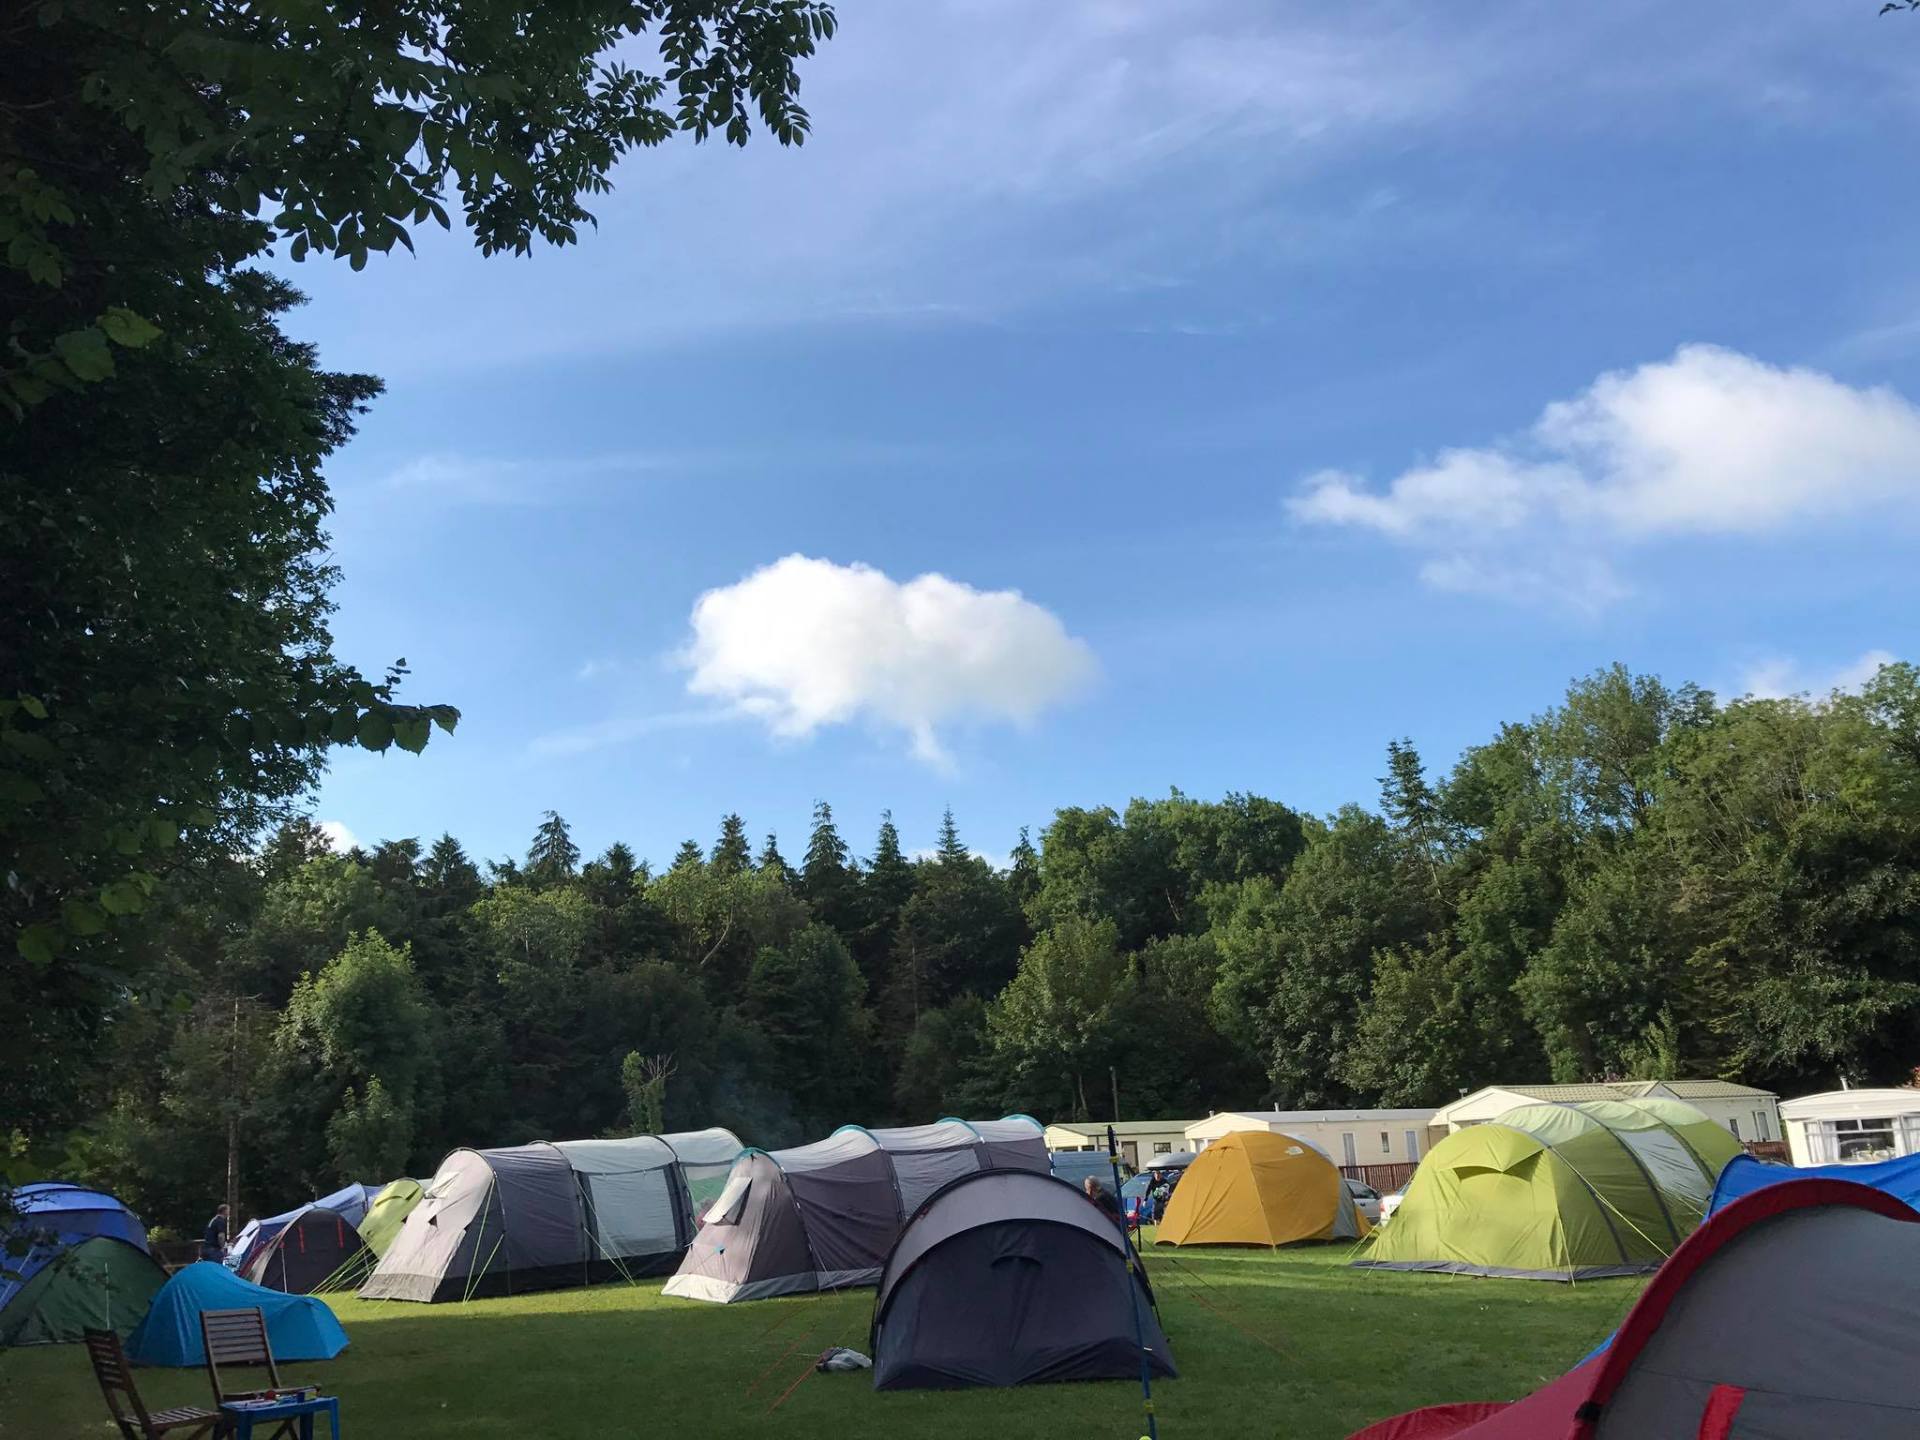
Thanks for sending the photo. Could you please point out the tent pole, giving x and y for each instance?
(1133, 1301)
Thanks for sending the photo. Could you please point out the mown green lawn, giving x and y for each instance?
(1290, 1344)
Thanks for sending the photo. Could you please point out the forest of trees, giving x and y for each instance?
(1639, 882)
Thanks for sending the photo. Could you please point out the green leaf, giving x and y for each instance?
(411, 734)
(376, 731)
(25, 742)
(346, 721)
(39, 943)
(85, 353)
(33, 707)
(123, 897)
(445, 716)
(83, 917)
(163, 832)
(18, 789)
(124, 327)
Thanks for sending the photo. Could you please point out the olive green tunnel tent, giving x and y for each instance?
(1570, 1191)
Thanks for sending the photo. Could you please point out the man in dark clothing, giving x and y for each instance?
(213, 1245)
(1099, 1195)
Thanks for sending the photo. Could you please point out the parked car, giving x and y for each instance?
(1366, 1200)
(1389, 1204)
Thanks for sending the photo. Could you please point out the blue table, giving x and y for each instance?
(245, 1414)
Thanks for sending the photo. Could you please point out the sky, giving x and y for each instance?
(1111, 397)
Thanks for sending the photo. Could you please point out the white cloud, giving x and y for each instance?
(1711, 442)
(805, 643)
(1777, 677)
(338, 837)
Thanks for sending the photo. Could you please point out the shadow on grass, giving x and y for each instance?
(1291, 1344)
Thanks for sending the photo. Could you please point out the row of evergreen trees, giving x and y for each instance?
(1640, 881)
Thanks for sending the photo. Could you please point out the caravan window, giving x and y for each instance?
(1863, 1139)
(726, 1210)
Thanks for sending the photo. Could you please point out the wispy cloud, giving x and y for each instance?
(619, 730)
(1711, 442)
(1776, 677)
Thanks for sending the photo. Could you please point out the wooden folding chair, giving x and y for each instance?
(130, 1413)
(237, 1339)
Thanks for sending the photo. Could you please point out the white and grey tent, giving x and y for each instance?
(1006, 1278)
(549, 1215)
(824, 1216)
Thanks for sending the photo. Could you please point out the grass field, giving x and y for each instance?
(1290, 1344)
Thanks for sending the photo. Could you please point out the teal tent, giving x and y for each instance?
(299, 1327)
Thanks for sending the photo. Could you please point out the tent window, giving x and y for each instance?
(726, 1210)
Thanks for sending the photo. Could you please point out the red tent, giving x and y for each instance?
(1793, 1314)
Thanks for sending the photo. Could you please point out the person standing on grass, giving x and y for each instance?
(1108, 1206)
(213, 1245)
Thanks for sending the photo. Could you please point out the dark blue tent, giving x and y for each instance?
(350, 1202)
(299, 1327)
(1899, 1178)
(73, 1212)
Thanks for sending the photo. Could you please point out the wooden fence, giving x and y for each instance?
(1384, 1178)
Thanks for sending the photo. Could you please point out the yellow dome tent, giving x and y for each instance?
(1257, 1188)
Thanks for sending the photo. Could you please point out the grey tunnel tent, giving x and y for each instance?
(1007, 1278)
(823, 1216)
(548, 1215)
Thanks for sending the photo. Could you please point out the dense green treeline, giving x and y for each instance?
(1639, 881)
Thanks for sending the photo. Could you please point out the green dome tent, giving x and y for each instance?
(1559, 1192)
(388, 1213)
(102, 1283)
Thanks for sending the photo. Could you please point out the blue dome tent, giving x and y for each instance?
(299, 1327)
(75, 1213)
(1899, 1178)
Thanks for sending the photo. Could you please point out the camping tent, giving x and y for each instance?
(1900, 1178)
(349, 1201)
(1258, 1187)
(316, 1250)
(545, 1215)
(100, 1282)
(389, 1212)
(1793, 1314)
(299, 1327)
(74, 1212)
(823, 1216)
(1066, 1299)
(1558, 1192)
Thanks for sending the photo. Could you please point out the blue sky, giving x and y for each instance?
(1315, 375)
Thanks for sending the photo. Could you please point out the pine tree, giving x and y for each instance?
(828, 881)
(689, 856)
(1414, 809)
(450, 880)
(1023, 876)
(772, 862)
(731, 854)
(884, 892)
(950, 850)
(552, 857)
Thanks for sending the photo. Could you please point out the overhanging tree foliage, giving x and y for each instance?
(167, 683)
